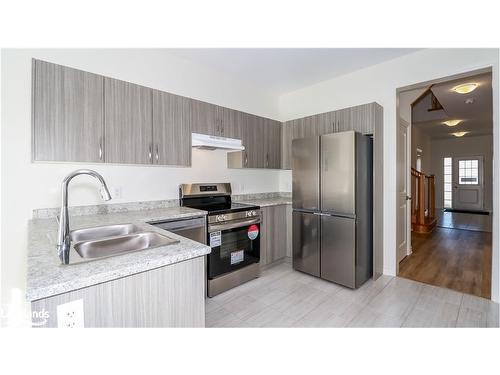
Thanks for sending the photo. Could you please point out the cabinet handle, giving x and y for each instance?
(100, 148)
(246, 158)
(157, 155)
(267, 160)
(150, 154)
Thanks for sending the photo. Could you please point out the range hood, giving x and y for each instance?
(212, 142)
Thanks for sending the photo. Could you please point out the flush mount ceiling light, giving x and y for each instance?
(459, 134)
(465, 88)
(452, 122)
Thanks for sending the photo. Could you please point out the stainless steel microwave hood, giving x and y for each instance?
(212, 142)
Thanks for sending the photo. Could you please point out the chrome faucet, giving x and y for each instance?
(63, 238)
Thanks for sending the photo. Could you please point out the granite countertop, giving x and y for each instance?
(47, 277)
(264, 202)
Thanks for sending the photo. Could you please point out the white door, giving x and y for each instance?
(468, 183)
(403, 178)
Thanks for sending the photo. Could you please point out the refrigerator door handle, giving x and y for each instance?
(335, 214)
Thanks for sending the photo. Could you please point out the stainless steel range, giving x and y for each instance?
(233, 233)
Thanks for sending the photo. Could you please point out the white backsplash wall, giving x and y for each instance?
(27, 186)
(130, 183)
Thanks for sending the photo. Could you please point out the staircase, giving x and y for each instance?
(423, 204)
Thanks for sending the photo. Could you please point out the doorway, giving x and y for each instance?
(468, 183)
(444, 222)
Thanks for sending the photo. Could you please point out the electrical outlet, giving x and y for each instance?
(117, 192)
(70, 315)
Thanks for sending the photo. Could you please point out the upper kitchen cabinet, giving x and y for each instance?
(205, 118)
(362, 118)
(171, 129)
(232, 123)
(286, 139)
(67, 114)
(252, 137)
(128, 122)
(215, 120)
(262, 140)
(272, 144)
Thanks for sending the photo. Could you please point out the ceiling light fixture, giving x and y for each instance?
(459, 134)
(465, 88)
(452, 122)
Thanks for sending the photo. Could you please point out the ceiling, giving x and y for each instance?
(281, 70)
(477, 118)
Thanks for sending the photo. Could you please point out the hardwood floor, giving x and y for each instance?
(458, 220)
(451, 258)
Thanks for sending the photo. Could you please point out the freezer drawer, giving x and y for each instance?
(305, 173)
(306, 253)
(338, 249)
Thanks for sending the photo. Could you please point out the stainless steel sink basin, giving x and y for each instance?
(95, 233)
(105, 247)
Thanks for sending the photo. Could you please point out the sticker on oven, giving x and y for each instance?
(215, 239)
(253, 232)
(237, 256)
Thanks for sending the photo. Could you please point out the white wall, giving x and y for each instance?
(27, 185)
(422, 141)
(379, 83)
(466, 146)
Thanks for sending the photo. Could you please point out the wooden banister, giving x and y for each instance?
(423, 205)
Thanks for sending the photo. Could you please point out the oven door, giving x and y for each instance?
(234, 246)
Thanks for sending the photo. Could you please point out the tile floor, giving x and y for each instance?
(459, 220)
(282, 297)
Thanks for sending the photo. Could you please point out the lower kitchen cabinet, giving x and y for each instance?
(169, 296)
(273, 241)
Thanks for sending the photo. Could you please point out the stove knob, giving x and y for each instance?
(254, 213)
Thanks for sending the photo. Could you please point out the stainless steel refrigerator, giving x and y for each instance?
(332, 183)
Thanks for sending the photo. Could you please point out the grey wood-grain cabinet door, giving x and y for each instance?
(292, 129)
(310, 126)
(278, 240)
(232, 123)
(171, 129)
(205, 118)
(128, 122)
(327, 123)
(274, 234)
(254, 147)
(67, 114)
(363, 118)
(272, 144)
(286, 145)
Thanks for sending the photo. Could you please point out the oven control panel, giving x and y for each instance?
(252, 213)
(220, 218)
(230, 216)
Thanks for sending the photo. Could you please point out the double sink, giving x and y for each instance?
(109, 240)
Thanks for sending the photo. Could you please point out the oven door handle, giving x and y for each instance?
(217, 227)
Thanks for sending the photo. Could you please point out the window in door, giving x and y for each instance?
(447, 183)
(468, 172)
